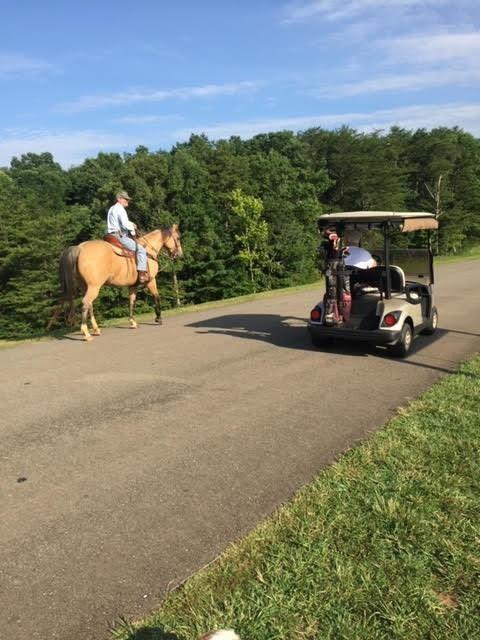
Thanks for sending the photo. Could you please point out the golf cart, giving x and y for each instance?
(388, 304)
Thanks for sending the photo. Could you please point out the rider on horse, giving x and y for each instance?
(119, 225)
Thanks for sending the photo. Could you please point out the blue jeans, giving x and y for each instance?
(128, 243)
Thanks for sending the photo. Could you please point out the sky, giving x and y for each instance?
(77, 78)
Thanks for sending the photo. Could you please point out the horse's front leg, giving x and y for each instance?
(152, 287)
(132, 296)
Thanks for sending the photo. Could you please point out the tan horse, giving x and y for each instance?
(92, 264)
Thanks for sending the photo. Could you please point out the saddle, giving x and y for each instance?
(120, 250)
(116, 244)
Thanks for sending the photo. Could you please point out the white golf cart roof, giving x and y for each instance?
(406, 220)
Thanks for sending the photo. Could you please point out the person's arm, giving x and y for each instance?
(125, 222)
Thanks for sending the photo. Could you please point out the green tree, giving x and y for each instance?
(40, 179)
(253, 235)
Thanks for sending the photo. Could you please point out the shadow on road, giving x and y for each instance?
(463, 333)
(151, 633)
(75, 337)
(282, 331)
(291, 332)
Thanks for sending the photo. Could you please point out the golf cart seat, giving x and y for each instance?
(375, 278)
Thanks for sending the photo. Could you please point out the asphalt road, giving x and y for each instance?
(128, 463)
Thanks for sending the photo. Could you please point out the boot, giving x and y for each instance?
(143, 277)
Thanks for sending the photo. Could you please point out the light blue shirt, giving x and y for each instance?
(117, 220)
(360, 258)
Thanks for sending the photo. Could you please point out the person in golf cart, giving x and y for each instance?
(343, 256)
(356, 256)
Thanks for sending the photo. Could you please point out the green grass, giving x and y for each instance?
(471, 253)
(384, 544)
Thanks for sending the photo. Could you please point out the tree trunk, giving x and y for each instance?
(176, 290)
(436, 195)
(252, 279)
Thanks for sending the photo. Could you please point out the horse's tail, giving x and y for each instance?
(69, 278)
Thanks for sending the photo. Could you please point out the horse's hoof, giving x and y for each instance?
(88, 339)
(133, 324)
(158, 320)
(97, 332)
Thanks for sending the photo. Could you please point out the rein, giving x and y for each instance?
(157, 252)
(152, 249)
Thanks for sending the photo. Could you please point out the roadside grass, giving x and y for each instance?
(470, 253)
(383, 544)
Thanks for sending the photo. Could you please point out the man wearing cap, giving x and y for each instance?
(119, 225)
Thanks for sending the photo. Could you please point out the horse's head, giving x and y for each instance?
(172, 241)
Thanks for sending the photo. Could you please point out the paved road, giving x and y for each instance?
(146, 452)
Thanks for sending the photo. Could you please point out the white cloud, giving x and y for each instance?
(72, 147)
(466, 116)
(348, 9)
(246, 129)
(68, 148)
(148, 119)
(435, 48)
(13, 64)
(406, 82)
(86, 103)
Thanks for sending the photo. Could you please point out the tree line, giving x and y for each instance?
(247, 208)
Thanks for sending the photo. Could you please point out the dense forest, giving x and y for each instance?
(247, 209)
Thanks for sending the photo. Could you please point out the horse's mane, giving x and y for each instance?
(141, 233)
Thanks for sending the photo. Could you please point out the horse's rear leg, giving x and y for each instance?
(96, 329)
(152, 287)
(132, 296)
(87, 308)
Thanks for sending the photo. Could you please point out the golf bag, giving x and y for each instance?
(337, 301)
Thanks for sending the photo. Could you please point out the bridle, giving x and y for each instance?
(176, 251)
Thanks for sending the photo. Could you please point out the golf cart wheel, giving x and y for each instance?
(432, 326)
(403, 347)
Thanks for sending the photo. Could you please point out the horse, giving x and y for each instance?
(89, 266)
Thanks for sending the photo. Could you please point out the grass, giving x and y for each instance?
(470, 253)
(384, 544)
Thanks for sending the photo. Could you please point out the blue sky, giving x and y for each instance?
(81, 77)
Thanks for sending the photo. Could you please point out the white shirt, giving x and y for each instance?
(117, 220)
(359, 258)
